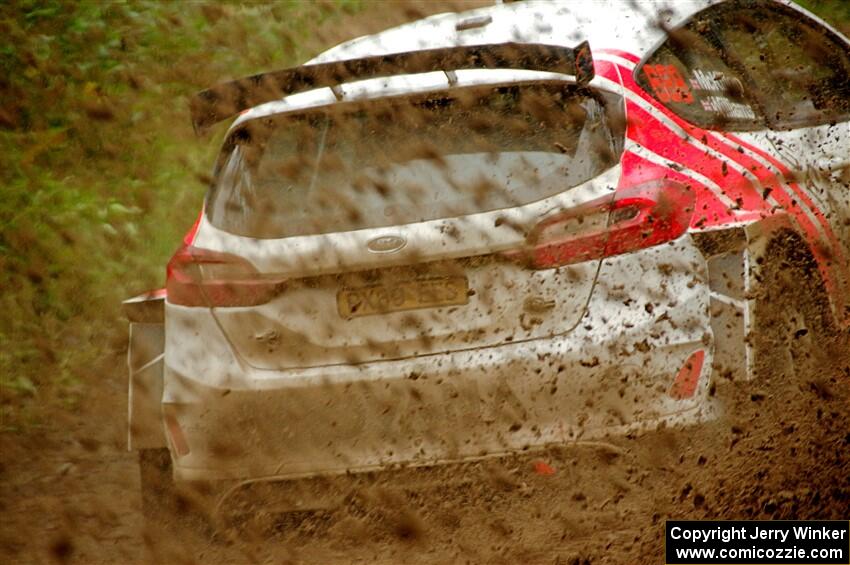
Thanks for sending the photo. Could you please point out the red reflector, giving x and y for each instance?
(175, 432)
(685, 384)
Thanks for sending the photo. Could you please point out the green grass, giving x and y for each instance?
(101, 173)
(835, 12)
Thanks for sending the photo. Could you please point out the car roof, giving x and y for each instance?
(632, 26)
(626, 24)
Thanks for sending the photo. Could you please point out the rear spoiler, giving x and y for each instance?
(226, 100)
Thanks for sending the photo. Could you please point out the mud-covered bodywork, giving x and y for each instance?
(615, 372)
(517, 338)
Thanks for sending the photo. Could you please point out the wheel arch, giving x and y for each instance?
(738, 259)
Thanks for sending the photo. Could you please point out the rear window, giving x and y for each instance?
(408, 159)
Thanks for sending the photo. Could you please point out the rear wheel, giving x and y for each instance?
(778, 431)
(793, 331)
(166, 502)
(159, 495)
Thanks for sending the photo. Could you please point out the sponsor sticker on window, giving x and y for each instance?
(668, 84)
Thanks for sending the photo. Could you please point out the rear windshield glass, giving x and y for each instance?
(408, 159)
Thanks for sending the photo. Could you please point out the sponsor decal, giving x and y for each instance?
(668, 84)
(724, 106)
(714, 81)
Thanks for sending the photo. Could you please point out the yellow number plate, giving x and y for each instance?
(406, 295)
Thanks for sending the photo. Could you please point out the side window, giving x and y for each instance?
(688, 75)
(799, 70)
(750, 64)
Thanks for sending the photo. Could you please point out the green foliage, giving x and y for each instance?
(835, 12)
(101, 173)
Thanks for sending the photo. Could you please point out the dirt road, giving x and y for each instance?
(70, 492)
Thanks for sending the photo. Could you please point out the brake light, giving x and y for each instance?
(639, 217)
(202, 277)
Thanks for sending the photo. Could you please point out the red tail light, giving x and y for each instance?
(639, 217)
(201, 277)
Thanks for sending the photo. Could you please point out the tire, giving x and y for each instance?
(164, 501)
(159, 495)
(793, 331)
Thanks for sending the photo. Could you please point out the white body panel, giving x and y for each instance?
(820, 156)
(625, 325)
(611, 373)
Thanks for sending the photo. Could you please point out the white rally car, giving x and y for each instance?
(488, 232)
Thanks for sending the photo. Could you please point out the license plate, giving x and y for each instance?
(403, 295)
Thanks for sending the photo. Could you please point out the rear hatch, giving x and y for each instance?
(405, 226)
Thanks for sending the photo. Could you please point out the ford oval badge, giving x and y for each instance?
(386, 244)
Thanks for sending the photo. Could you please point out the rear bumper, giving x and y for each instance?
(490, 407)
(611, 375)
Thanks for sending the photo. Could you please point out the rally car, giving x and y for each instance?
(488, 232)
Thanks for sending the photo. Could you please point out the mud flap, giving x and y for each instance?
(145, 363)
